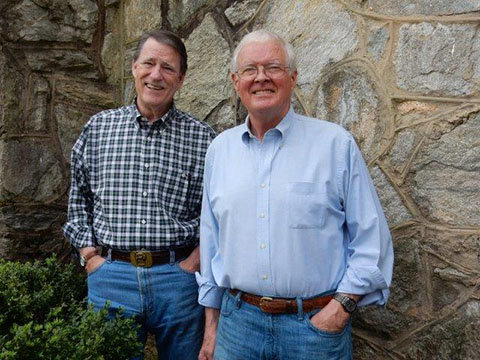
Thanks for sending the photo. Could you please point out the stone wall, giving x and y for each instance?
(402, 75)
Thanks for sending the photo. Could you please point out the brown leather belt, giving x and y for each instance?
(282, 306)
(144, 258)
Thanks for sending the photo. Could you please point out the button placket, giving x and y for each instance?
(264, 154)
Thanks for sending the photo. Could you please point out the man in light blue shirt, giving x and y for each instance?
(292, 234)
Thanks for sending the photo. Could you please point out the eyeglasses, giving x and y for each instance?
(272, 71)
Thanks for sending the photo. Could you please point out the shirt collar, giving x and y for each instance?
(282, 127)
(141, 121)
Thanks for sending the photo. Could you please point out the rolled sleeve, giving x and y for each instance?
(210, 295)
(365, 281)
(370, 250)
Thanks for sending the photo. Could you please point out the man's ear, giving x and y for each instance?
(294, 78)
(134, 67)
(181, 79)
(235, 80)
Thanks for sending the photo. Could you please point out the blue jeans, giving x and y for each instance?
(246, 333)
(163, 299)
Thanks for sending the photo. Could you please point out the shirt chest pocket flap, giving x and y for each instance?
(307, 204)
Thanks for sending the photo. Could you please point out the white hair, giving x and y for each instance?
(264, 36)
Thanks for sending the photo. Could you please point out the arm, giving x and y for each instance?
(369, 254)
(210, 294)
(209, 337)
(78, 228)
(192, 263)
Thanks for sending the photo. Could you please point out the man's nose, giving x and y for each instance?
(261, 75)
(156, 72)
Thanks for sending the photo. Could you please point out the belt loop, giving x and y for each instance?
(300, 314)
(109, 255)
(172, 256)
(238, 299)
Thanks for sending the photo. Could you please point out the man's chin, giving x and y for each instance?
(154, 104)
(264, 106)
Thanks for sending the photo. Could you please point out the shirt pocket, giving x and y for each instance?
(173, 188)
(307, 204)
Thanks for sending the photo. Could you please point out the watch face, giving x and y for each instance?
(350, 305)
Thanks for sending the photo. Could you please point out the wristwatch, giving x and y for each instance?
(348, 304)
(84, 259)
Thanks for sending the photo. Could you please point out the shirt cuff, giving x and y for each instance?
(367, 281)
(78, 237)
(209, 294)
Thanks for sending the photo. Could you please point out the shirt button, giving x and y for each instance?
(262, 215)
(146, 166)
(149, 138)
(262, 185)
(144, 193)
(264, 277)
(144, 221)
(263, 246)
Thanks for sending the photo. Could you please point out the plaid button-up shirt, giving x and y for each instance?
(135, 185)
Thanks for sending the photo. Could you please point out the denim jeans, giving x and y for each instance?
(246, 333)
(163, 300)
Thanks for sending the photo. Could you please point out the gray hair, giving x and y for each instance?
(264, 36)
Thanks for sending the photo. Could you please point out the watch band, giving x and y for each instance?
(84, 259)
(348, 304)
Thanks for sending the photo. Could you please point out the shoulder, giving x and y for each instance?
(228, 136)
(317, 127)
(97, 124)
(106, 117)
(193, 123)
(224, 144)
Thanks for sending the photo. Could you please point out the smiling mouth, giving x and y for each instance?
(153, 87)
(263, 92)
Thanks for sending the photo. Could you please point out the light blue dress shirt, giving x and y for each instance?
(291, 216)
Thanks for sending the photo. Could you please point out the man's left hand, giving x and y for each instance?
(332, 318)
(192, 263)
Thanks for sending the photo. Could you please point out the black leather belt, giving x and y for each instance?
(144, 258)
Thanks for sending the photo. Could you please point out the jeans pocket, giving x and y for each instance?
(228, 304)
(94, 271)
(322, 332)
(177, 264)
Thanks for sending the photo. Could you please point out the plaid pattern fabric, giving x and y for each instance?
(135, 185)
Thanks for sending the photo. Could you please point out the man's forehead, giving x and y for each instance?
(257, 50)
(152, 46)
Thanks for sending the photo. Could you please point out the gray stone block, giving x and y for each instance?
(447, 176)
(438, 59)
(207, 81)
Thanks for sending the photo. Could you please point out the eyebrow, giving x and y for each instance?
(276, 62)
(161, 62)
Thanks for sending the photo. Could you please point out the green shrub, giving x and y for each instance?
(43, 315)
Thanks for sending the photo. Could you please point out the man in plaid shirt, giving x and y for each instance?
(135, 202)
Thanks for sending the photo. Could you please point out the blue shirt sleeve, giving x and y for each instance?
(210, 294)
(369, 248)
